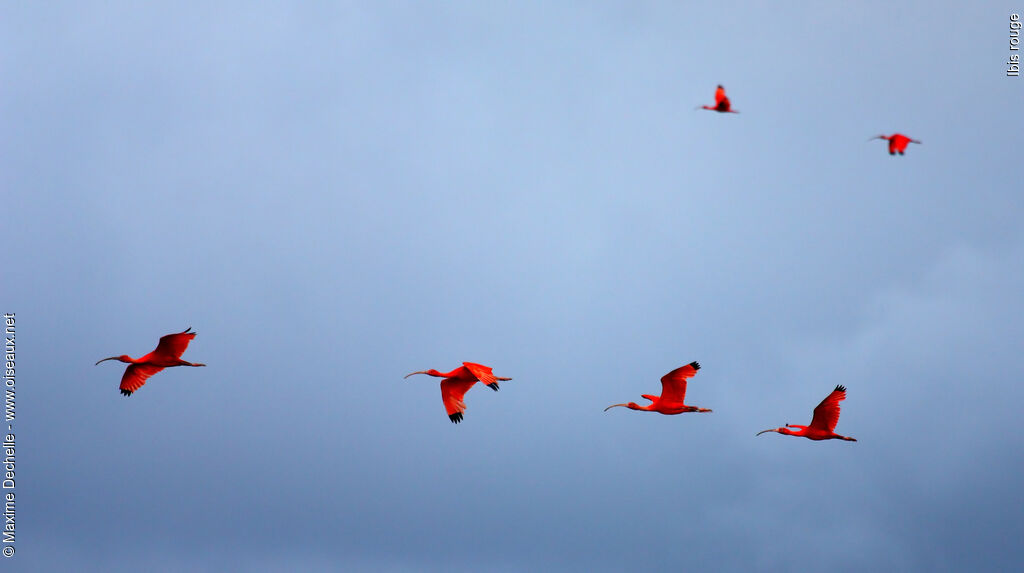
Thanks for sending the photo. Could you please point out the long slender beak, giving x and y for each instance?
(612, 406)
(769, 430)
(105, 359)
(877, 137)
(502, 379)
(420, 372)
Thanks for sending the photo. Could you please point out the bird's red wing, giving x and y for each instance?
(174, 345)
(452, 391)
(673, 384)
(483, 373)
(720, 95)
(826, 415)
(135, 376)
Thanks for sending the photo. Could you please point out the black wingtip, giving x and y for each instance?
(493, 386)
(126, 392)
(456, 417)
(695, 364)
(840, 388)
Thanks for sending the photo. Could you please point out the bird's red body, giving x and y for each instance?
(457, 382)
(823, 424)
(722, 104)
(897, 142)
(167, 354)
(673, 394)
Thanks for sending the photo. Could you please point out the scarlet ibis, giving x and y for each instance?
(673, 392)
(457, 382)
(897, 142)
(823, 424)
(722, 104)
(168, 353)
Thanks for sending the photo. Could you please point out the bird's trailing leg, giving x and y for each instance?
(494, 385)
(184, 363)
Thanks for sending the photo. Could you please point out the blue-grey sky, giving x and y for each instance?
(337, 194)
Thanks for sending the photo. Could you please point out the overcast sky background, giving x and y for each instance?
(338, 194)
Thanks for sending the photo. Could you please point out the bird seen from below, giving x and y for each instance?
(167, 354)
(673, 393)
(457, 382)
(823, 424)
(897, 142)
(722, 104)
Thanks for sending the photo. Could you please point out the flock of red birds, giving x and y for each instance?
(897, 141)
(456, 383)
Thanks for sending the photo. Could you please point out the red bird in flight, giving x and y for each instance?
(823, 424)
(168, 353)
(673, 392)
(722, 104)
(457, 382)
(897, 142)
